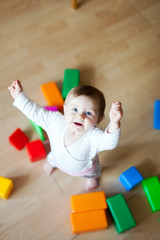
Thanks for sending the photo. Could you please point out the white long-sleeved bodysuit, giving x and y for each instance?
(79, 159)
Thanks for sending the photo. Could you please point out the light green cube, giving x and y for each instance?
(151, 188)
(38, 129)
(123, 219)
(71, 80)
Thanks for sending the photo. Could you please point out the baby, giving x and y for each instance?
(74, 138)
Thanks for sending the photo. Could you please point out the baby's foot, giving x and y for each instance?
(48, 168)
(91, 183)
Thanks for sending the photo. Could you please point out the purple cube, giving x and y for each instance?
(51, 108)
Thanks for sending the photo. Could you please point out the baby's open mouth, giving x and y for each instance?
(78, 124)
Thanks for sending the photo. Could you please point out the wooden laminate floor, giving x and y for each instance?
(116, 46)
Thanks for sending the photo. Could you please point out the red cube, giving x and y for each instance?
(18, 139)
(36, 150)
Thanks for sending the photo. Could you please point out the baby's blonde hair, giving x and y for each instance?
(91, 92)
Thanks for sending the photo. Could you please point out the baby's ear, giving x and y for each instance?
(100, 119)
(64, 108)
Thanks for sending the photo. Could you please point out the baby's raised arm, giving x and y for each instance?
(115, 115)
(15, 88)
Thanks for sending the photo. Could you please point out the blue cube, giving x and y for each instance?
(156, 123)
(130, 178)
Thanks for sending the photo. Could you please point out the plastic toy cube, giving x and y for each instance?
(51, 108)
(88, 202)
(52, 95)
(130, 178)
(71, 80)
(38, 129)
(88, 221)
(156, 122)
(123, 219)
(6, 186)
(88, 212)
(18, 139)
(151, 188)
(36, 150)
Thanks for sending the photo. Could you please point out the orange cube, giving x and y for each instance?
(88, 202)
(52, 95)
(88, 221)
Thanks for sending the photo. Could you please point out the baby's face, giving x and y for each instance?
(81, 113)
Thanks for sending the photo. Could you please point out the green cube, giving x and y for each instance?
(151, 188)
(71, 80)
(38, 129)
(123, 219)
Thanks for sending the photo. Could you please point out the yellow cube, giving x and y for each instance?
(6, 186)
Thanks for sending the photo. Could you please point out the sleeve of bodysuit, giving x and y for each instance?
(102, 140)
(34, 112)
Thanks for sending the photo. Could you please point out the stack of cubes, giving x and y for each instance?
(88, 212)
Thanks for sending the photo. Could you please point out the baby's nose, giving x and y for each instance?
(82, 115)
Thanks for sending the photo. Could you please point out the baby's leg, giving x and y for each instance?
(93, 178)
(49, 165)
(48, 168)
(91, 183)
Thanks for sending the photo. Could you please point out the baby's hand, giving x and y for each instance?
(15, 88)
(116, 112)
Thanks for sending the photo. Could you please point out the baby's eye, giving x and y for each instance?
(74, 109)
(89, 114)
